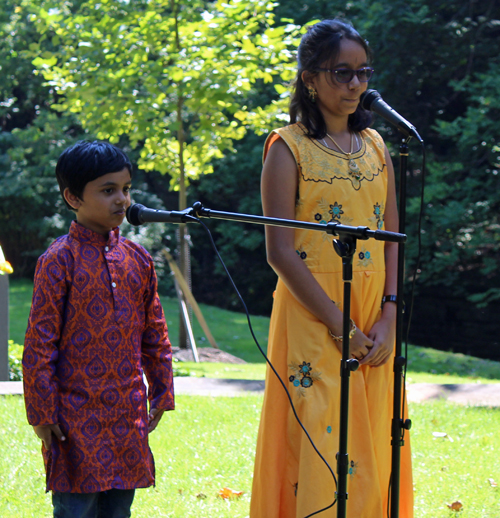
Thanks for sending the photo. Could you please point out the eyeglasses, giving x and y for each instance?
(345, 75)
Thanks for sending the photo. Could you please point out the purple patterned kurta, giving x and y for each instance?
(95, 325)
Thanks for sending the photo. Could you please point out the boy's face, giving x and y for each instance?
(105, 201)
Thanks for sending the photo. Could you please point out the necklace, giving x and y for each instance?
(353, 166)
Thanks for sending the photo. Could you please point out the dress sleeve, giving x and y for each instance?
(271, 139)
(42, 340)
(157, 351)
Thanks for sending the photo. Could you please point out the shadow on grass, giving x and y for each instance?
(230, 330)
(432, 361)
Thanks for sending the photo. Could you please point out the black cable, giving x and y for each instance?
(417, 264)
(214, 246)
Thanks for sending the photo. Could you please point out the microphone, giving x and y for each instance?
(137, 214)
(371, 100)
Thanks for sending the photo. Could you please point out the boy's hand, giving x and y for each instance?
(154, 418)
(45, 433)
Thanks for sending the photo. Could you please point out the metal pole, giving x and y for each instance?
(398, 425)
(4, 327)
(345, 248)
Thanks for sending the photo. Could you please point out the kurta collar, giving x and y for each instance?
(85, 235)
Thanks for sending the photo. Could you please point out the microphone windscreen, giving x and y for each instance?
(132, 214)
(367, 98)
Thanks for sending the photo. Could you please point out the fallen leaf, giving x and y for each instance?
(442, 435)
(227, 493)
(201, 496)
(180, 491)
(455, 506)
(492, 482)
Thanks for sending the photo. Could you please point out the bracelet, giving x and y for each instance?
(351, 332)
(389, 298)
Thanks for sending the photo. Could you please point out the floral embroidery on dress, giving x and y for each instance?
(303, 377)
(328, 213)
(340, 169)
(365, 257)
(378, 218)
(353, 468)
(319, 164)
(322, 215)
(301, 253)
(336, 212)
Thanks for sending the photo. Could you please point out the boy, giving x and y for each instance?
(95, 324)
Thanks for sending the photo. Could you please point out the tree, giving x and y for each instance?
(172, 76)
(436, 62)
(31, 139)
(233, 187)
(169, 75)
(465, 223)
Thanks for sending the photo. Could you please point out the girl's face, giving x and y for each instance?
(336, 99)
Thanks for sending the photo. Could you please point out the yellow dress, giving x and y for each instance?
(290, 480)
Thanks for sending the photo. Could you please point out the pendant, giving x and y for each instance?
(354, 168)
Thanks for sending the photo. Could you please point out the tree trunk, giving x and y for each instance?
(183, 241)
(4, 327)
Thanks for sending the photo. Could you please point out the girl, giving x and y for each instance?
(328, 166)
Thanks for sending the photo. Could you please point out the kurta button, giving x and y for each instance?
(106, 248)
(113, 284)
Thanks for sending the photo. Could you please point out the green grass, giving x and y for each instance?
(207, 444)
(229, 328)
(458, 466)
(243, 371)
(20, 293)
(231, 332)
(426, 365)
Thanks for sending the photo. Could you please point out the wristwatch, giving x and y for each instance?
(389, 298)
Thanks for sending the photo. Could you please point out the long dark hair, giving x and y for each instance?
(321, 44)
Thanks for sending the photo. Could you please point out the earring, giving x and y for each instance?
(312, 93)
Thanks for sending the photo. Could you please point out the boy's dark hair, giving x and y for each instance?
(320, 45)
(86, 161)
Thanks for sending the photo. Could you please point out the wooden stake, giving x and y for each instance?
(190, 298)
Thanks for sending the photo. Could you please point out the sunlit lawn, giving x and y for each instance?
(208, 443)
(230, 330)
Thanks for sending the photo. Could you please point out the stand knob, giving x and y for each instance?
(407, 424)
(352, 364)
(400, 361)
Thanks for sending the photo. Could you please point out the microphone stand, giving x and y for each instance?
(399, 425)
(371, 100)
(345, 247)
